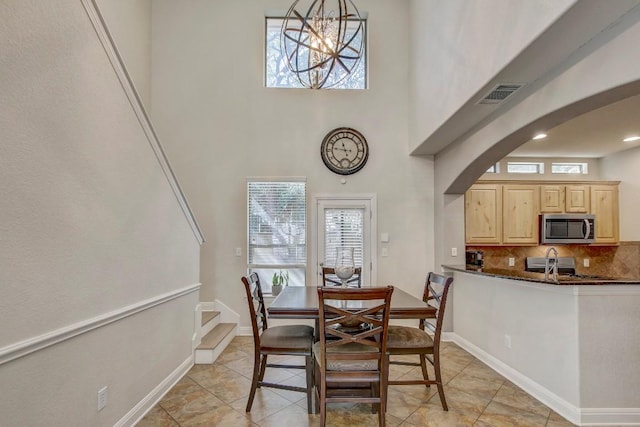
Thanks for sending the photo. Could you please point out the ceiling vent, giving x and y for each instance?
(501, 92)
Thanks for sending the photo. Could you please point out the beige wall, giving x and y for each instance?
(458, 46)
(623, 167)
(129, 23)
(220, 125)
(90, 231)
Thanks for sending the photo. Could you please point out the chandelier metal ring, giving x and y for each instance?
(324, 45)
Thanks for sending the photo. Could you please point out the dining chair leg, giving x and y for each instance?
(310, 383)
(436, 366)
(263, 367)
(323, 405)
(423, 365)
(254, 382)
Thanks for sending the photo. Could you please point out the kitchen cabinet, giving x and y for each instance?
(552, 198)
(483, 214)
(604, 205)
(558, 198)
(577, 198)
(507, 212)
(520, 212)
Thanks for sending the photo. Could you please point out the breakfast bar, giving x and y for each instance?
(573, 343)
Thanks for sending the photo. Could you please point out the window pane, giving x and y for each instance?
(296, 277)
(344, 228)
(524, 167)
(276, 229)
(278, 73)
(569, 168)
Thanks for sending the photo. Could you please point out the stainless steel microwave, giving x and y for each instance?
(567, 228)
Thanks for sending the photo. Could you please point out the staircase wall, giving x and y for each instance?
(99, 256)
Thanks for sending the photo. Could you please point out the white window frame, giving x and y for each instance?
(266, 281)
(538, 165)
(364, 62)
(584, 168)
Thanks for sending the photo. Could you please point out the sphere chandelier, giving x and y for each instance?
(322, 46)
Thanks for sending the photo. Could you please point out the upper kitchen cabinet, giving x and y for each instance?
(483, 214)
(552, 198)
(604, 205)
(507, 212)
(558, 198)
(577, 198)
(520, 212)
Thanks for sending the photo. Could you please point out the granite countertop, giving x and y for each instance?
(539, 277)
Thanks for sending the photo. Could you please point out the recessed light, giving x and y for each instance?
(631, 138)
(540, 136)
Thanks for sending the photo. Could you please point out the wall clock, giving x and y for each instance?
(344, 151)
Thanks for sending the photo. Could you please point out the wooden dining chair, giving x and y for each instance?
(329, 277)
(289, 340)
(423, 341)
(352, 367)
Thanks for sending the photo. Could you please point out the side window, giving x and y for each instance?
(276, 238)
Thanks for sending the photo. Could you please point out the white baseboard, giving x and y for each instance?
(149, 401)
(579, 416)
(227, 315)
(245, 331)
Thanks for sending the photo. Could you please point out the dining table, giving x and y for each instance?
(301, 302)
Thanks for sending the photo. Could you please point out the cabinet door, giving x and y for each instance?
(483, 214)
(577, 199)
(604, 205)
(552, 199)
(520, 214)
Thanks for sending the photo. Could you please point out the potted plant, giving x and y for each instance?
(279, 280)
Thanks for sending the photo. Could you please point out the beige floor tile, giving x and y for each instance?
(485, 387)
(500, 415)
(480, 370)
(221, 381)
(556, 420)
(434, 416)
(265, 403)
(512, 395)
(401, 404)
(462, 402)
(157, 417)
(292, 415)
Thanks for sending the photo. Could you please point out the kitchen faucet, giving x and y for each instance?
(548, 267)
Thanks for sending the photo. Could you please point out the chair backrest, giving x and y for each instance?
(436, 289)
(349, 306)
(257, 309)
(329, 277)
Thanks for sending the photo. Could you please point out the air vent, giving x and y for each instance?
(500, 93)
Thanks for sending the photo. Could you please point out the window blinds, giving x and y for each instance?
(344, 227)
(277, 223)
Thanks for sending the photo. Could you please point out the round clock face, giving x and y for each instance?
(344, 151)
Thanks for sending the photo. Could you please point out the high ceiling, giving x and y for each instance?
(595, 134)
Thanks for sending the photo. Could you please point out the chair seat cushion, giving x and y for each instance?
(288, 337)
(347, 365)
(408, 337)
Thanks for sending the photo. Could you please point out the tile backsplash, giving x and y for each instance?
(616, 261)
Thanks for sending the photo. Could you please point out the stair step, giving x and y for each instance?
(208, 316)
(214, 343)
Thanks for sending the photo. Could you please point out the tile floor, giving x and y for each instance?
(216, 395)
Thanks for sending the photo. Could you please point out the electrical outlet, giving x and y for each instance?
(585, 262)
(102, 398)
(512, 261)
(507, 341)
(384, 252)
(238, 251)
(454, 251)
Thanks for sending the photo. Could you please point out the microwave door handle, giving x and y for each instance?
(588, 226)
